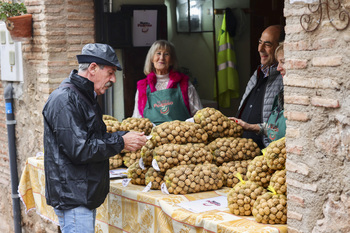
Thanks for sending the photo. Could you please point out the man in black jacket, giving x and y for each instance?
(77, 146)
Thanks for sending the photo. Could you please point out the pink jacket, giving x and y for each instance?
(151, 80)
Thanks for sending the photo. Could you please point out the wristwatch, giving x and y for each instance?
(261, 129)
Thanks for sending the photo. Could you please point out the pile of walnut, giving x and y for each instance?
(131, 157)
(207, 154)
(112, 124)
(115, 161)
(216, 124)
(192, 178)
(271, 208)
(137, 124)
(233, 149)
(231, 169)
(137, 174)
(242, 197)
(171, 155)
(155, 177)
(265, 175)
(128, 124)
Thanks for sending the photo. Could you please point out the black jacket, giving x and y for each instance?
(77, 146)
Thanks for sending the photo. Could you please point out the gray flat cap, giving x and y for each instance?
(101, 54)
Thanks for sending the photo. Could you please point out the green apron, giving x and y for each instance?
(165, 105)
(276, 124)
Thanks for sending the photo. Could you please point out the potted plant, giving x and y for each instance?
(17, 21)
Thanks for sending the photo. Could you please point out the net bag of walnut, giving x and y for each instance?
(112, 125)
(155, 177)
(115, 162)
(278, 182)
(276, 154)
(137, 174)
(271, 208)
(178, 132)
(147, 153)
(192, 178)
(137, 124)
(232, 149)
(171, 155)
(217, 124)
(109, 117)
(242, 196)
(230, 170)
(259, 172)
(131, 157)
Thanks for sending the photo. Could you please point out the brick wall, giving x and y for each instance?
(60, 29)
(318, 124)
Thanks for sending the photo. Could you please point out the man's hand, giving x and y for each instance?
(133, 141)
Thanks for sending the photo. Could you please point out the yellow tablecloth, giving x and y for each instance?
(128, 209)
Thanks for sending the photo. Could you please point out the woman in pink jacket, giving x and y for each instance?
(165, 94)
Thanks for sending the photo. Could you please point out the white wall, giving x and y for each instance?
(118, 103)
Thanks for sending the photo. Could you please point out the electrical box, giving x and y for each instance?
(11, 57)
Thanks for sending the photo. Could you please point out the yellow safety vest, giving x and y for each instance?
(227, 74)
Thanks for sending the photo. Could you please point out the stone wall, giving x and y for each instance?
(317, 104)
(60, 29)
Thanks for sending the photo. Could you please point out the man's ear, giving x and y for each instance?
(93, 68)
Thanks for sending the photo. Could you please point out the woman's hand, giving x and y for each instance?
(133, 141)
(245, 125)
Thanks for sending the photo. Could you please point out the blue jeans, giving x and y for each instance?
(77, 220)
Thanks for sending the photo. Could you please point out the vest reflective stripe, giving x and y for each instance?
(225, 46)
(227, 64)
(227, 74)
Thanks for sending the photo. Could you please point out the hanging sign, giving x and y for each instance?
(144, 27)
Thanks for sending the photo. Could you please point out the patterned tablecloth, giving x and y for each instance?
(128, 209)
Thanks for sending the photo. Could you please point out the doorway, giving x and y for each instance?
(262, 14)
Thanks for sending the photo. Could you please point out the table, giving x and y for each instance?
(128, 209)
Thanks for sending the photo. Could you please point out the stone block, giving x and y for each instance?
(296, 64)
(324, 43)
(299, 81)
(296, 46)
(294, 215)
(325, 102)
(296, 99)
(294, 149)
(296, 116)
(335, 215)
(330, 61)
(293, 230)
(297, 167)
(296, 200)
(300, 185)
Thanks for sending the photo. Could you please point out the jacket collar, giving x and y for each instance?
(83, 84)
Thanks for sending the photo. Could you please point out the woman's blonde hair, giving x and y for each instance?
(157, 45)
(279, 49)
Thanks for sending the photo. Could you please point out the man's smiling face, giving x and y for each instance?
(267, 45)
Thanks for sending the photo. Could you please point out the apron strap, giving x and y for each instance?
(148, 91)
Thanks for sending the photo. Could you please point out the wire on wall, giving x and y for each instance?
(310, 22)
